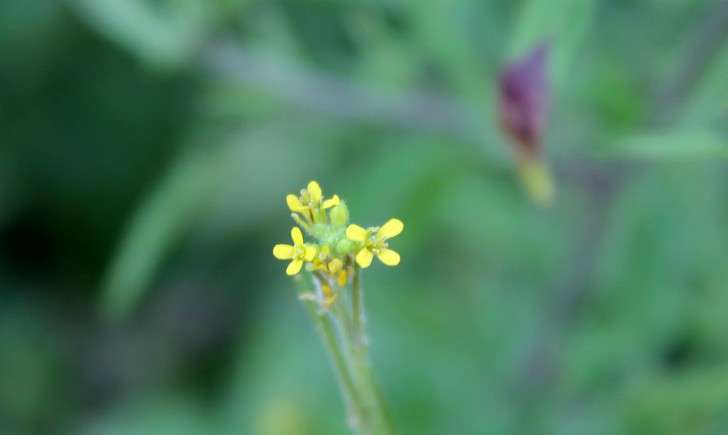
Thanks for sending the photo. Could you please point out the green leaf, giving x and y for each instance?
(154, 413)
(672, 146)
(160, 37)
(563, 24)
(166, 213)
(709, 101)
(692, 403)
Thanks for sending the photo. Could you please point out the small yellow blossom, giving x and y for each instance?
(333, 267)
(311, 201)
(374, 242)
(337, 251)
(298, 253)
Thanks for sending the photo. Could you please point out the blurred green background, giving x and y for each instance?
(146, 147)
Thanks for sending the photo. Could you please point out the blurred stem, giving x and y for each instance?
(326, 330)
(357, 305)
(343, 332)
(363, 375)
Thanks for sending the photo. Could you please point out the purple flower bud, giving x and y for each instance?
(523, 101)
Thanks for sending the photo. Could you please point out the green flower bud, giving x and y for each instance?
(339, 214)
(346, 247)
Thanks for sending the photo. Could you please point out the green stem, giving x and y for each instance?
(362, 372)
(357, 305)
(326, 330)
(344, 336)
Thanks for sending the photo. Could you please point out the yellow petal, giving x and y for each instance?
(315, 191)
(390, 229)
(364, 258)
(356, 233)
(294, 203)
(296, 236)
(283, 252)
(341, 280)
(309, 252)
(294, 267)
(331, 202)
(388, 257)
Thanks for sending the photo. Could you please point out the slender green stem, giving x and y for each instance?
(361, 368)
(357, 305)
(327, 332)
(343, 332)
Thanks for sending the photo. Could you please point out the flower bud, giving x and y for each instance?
(346, 247)
(524, 100)
(339, 214)
(523, 105)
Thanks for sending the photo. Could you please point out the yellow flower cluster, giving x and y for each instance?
(311, 203)
(339, 245)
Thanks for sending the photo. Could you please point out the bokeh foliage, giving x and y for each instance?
(147, 147)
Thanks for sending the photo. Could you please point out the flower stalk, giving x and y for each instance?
(334, 298)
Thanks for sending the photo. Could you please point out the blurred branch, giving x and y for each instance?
(336, 97)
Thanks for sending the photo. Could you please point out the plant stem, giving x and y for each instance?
(343, 332)
(326, 330)
(361, 367)
(357, 305)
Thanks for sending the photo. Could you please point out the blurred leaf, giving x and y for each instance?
(440, 30)
(232, 183)
(152, 415)
(30, 365)
(686, 405)
(9, 191)
(160, 35)
(655, 256)
(562, 24)
(167, 212)
(270, 390)
(709, 102)
(27, 50)
(386, 59)
(675, 146)
(712, 310)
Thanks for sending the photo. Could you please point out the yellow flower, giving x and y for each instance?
(298, 253)
(310, 201)
(374, 242)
